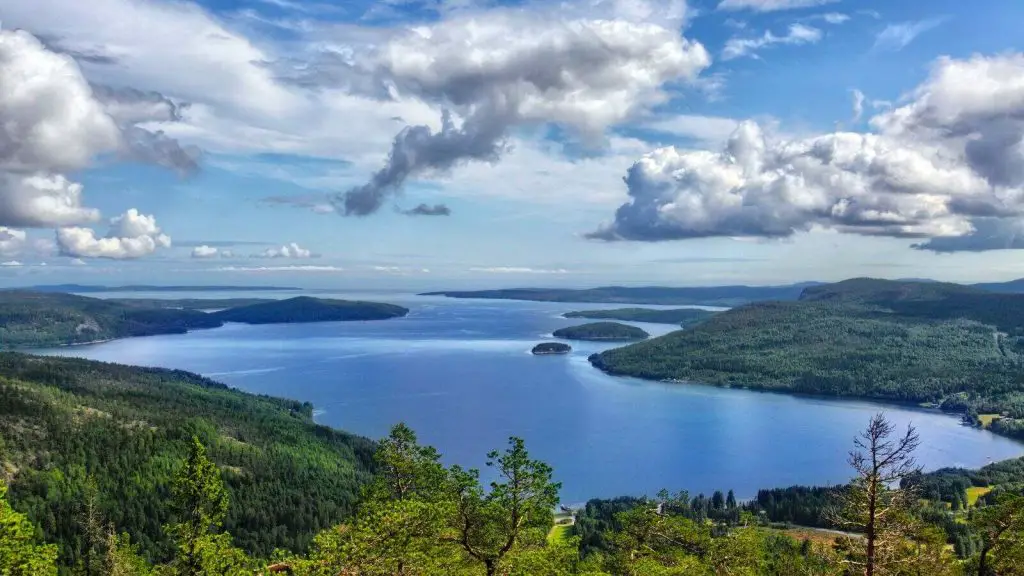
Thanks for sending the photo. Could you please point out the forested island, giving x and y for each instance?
(308, 309)
(41, 319)
(684, 317)
(700, 295)
(546, 348)
(946, 345)
(602, 331)
(109, 469)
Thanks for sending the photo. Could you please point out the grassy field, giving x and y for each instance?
(987, 419)
(974, 492)
(559, 532)
(562, 528)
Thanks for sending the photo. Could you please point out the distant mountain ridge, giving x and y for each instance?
(87, 288)
(728, 295)
(697, 295)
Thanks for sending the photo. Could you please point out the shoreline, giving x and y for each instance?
(917, 406)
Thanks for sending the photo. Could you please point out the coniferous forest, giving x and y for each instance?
(111, 469)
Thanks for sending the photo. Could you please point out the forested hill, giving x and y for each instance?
(307, 309)
(40, 319)
(66, 421)
(701, 295)
(955, 346)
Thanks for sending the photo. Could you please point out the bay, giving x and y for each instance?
(460, 373)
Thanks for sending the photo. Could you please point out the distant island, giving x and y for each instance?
(548, 348)
(87, 288)
(309, 309)
(704, 296)
(947, 345)
(684, 317)
(45, 319)
(602, 331)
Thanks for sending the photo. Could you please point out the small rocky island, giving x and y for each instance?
(602, 331)
(548, 348)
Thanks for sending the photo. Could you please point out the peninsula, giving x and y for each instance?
(947, 345)
(44, 319)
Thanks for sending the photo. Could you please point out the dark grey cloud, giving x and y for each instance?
(427, 210)
(130, 107)
(581, 77)
(92, 55)
(989, 234)
(417, 149)
(155, 147)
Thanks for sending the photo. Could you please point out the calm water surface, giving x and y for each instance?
(460, 373)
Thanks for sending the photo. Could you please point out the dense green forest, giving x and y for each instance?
(685, 317)
(417, 517)
(943, 344)
(66, 423)
(703, 296)
(42, 319)
(609, 331)
(308, 309)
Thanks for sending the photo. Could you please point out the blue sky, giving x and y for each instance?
(289, 104)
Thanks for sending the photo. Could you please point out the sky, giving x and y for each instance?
(496, 143)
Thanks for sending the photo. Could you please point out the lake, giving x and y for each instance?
(460, 373)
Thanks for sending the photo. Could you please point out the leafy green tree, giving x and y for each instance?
(201, 503)
(20, 553)
(400, 525)
(516, 511)
(1001, 526)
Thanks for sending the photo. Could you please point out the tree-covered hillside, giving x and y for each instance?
(36, 319)
(945, 344)
(65, 423)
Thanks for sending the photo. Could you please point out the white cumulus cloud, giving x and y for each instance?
(947, 164)
(291, 250)
(131, 235)
(12, 241)
(205, 252)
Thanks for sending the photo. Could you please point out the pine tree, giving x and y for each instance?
(201, 503)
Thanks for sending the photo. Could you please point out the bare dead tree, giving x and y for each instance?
(875, 506)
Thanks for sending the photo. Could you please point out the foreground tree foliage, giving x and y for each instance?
(419, 518)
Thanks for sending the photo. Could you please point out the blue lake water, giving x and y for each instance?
(460, 373)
